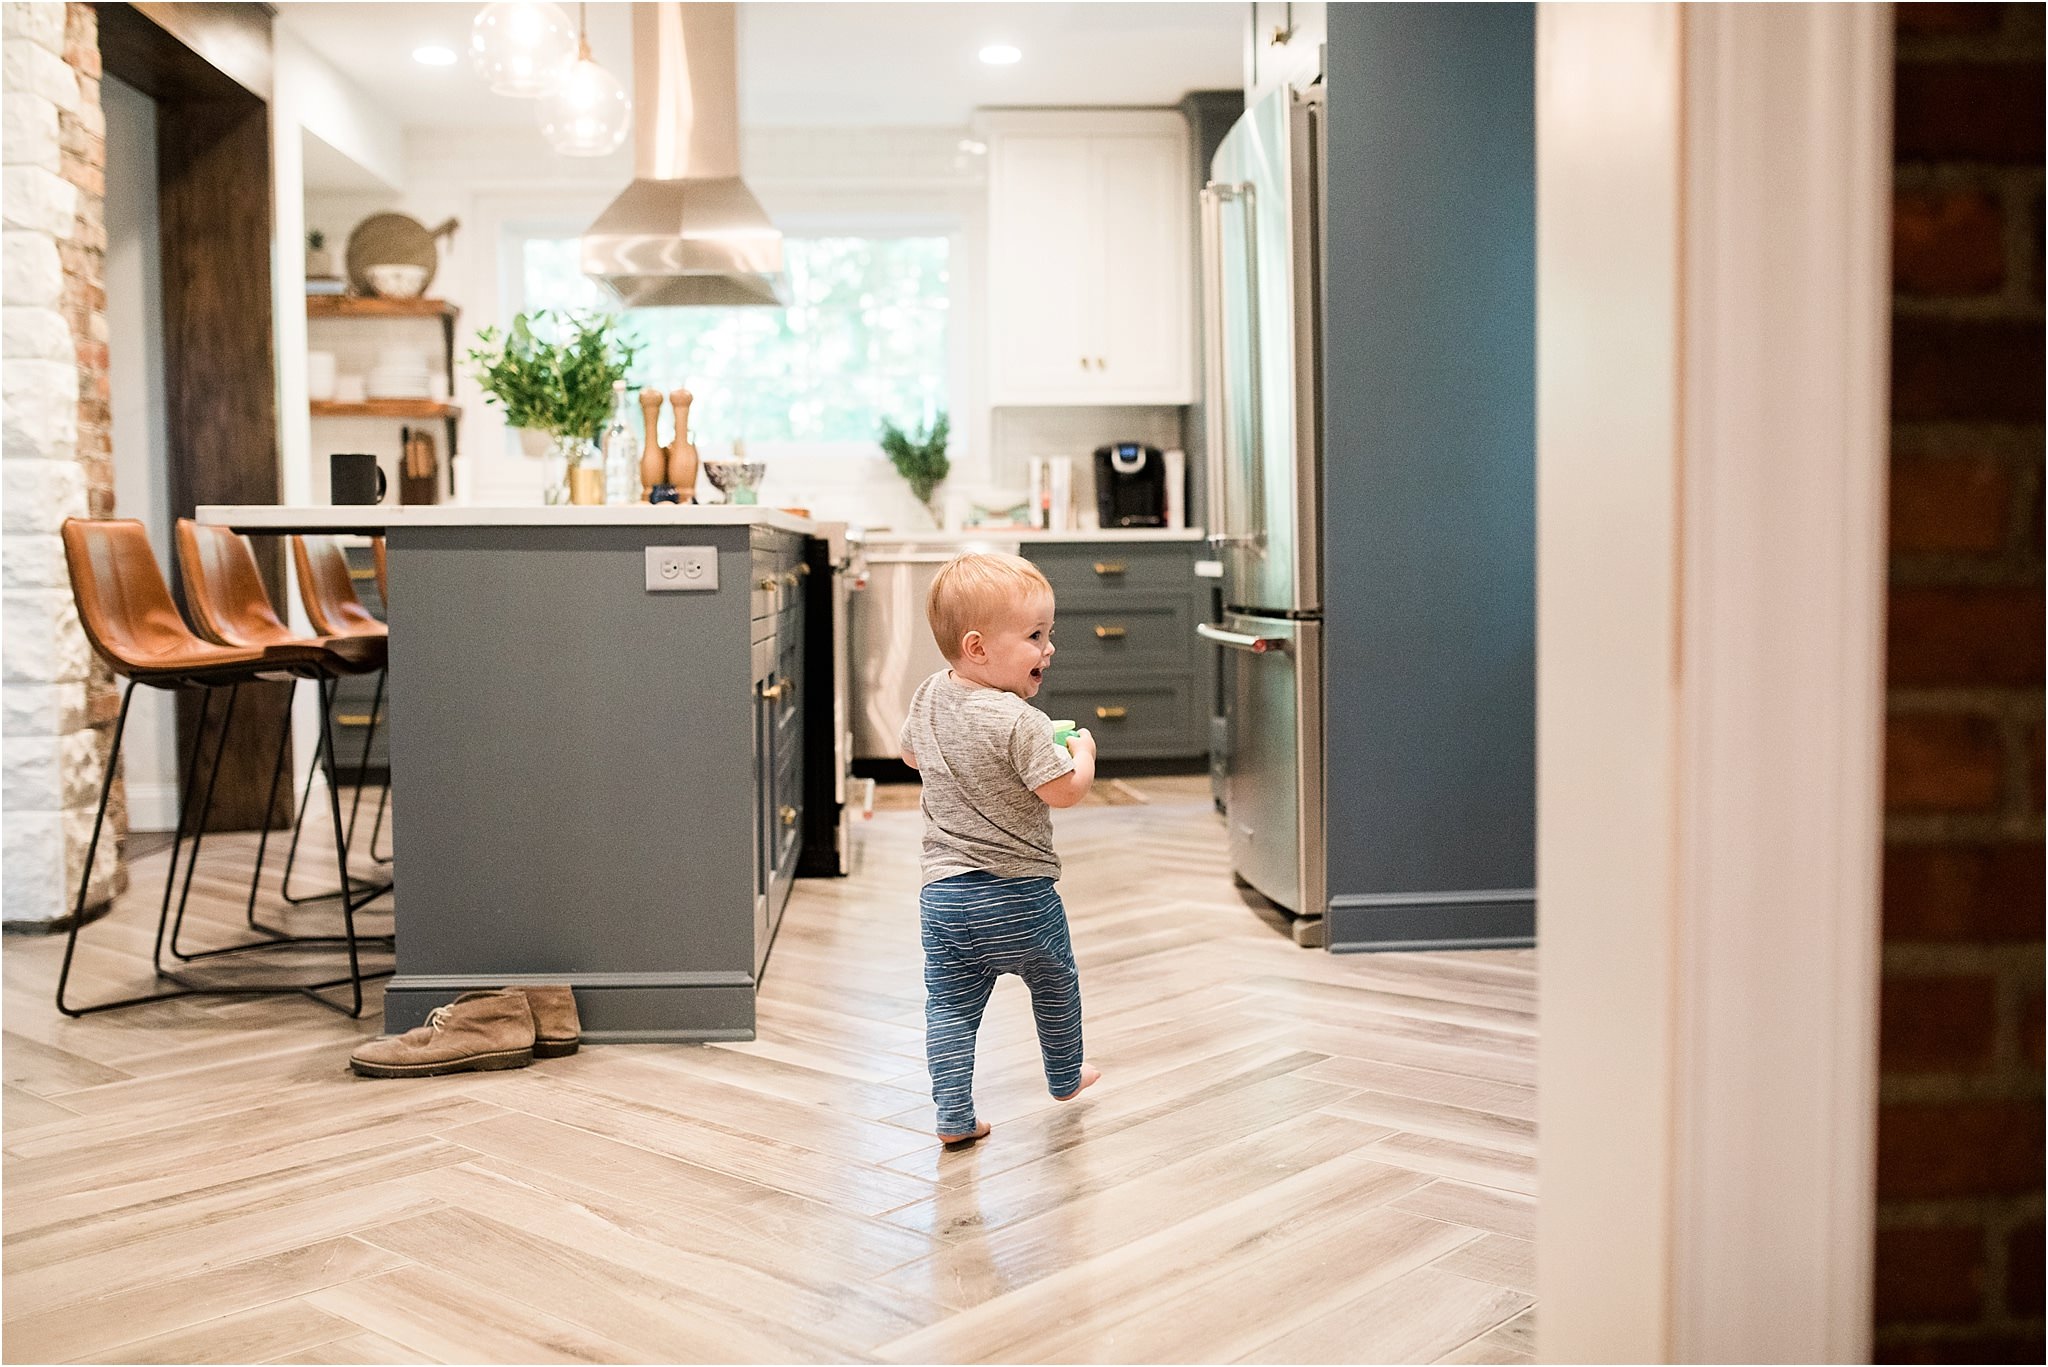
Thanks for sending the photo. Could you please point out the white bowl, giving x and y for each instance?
(397, 281)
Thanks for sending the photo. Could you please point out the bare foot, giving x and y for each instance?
(961, 1141)
(1089, 1074)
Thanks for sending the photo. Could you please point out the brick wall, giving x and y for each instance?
(56, 462)
(1959, 1243)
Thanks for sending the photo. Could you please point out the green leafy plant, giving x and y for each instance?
(920, 458)
(562, 387)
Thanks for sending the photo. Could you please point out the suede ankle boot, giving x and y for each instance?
(556, 1030)
(476, 1032)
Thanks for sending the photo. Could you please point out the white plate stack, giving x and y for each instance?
(399, 374)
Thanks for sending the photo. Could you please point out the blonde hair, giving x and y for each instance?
(970, 589)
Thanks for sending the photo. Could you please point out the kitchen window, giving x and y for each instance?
(866, 337)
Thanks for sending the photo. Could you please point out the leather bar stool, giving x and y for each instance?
(329, 594)
(225, 595)
(126, 609)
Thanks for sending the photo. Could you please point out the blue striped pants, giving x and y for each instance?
(976, 927)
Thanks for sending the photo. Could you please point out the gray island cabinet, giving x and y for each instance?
(598, 750)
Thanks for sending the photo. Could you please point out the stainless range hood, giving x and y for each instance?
(687, 230)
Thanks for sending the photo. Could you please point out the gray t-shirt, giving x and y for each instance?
(981, 751)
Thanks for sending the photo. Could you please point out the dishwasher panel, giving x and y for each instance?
(893, 650)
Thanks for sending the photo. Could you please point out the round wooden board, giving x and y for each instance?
(390, 240)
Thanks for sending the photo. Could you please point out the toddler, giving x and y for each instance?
(991, 773)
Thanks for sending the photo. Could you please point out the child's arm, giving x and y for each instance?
(1070, 787)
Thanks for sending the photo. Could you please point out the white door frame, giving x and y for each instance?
(1713, 198)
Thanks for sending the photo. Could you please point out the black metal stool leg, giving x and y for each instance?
(363, 763)
(274, 937)
(92, 846)
(321, 751)
(351, 901)
(183, 987)
(278, 934)
(163, 915)
(284, 741)
(220, 750)
(348, 899)
(291, 854)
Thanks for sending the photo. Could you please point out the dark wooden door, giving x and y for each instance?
(208, 67)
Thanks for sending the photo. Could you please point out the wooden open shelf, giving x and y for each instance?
(349, 306)
(384, 408)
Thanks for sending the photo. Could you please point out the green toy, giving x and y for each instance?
(1063, 731)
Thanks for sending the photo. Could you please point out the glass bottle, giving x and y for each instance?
(621, 450)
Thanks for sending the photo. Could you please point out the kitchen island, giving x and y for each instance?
(611, 748)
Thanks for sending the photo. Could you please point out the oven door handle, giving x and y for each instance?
(1257, 645)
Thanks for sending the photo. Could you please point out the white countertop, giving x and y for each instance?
(379, 518)
(1025, 535)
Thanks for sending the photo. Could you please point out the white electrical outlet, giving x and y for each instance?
(681, 569)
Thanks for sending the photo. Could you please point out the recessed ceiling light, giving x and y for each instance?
(433, 54)
(1001, 54)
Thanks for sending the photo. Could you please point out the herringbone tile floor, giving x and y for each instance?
(1291, 1157)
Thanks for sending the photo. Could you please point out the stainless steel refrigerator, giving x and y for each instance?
(1261, 254)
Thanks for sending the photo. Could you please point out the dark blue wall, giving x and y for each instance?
(1429, 385)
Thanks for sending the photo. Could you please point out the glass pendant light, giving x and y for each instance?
(522, 47)
(588, 113)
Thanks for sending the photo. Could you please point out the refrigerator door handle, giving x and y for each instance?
(1213, 388)
(1216, 389)
(1257, 645)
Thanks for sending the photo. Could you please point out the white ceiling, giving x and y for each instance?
(823, 65)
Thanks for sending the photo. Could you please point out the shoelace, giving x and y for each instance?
(436, 1016)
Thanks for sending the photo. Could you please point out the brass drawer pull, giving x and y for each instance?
(803, 571)
(789, 816)
(1109, 714)
(774, 690)
(1110, 567)
(362, 574)
(1109, 633)
(790, 578)
(354, 718)
(768, 584)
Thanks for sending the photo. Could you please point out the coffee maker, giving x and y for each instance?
(1130, 485)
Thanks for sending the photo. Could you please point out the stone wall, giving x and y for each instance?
(1959, 1242)
(56, 461)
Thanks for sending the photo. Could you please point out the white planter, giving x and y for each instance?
(533, 442)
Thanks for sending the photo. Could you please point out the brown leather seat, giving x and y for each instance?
(225, 593)
(330, 597)
(126, 609)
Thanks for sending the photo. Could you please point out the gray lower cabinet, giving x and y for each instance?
(780, 686)
(596, 784)
(1129, 666)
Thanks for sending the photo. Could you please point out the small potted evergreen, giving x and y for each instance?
(920, 457)
(319, 261)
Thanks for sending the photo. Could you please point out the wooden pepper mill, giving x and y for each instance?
(668, 474)
(653, 458)
(682, 453)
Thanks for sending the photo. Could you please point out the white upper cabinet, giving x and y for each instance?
(1090, 258)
